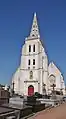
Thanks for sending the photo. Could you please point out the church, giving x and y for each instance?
(35, 73)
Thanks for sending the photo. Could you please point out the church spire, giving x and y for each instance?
(34, 30)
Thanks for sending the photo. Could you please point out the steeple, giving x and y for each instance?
(34, 30)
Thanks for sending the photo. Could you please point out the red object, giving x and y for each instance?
(30, 90)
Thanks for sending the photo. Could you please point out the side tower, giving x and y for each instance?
(33, 70)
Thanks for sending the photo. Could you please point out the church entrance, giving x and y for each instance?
(30, 90)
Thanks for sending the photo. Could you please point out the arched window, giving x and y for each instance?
(52, 79)
(33, 61)
(29, 48)
(33, 48)
(29, 62)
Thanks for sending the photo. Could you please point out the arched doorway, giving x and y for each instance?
(30, 90)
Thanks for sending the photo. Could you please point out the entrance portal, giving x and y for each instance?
(30, 90)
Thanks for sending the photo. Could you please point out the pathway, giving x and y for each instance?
(58, 112)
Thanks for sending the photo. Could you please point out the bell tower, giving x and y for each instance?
(33, 65)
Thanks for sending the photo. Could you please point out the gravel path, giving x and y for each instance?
(58, 112)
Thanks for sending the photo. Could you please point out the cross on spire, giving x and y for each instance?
(34, 30)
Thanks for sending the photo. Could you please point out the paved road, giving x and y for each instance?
(58, 112)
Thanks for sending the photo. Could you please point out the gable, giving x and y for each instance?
(53, 69)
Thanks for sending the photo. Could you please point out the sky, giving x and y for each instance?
(15, 24)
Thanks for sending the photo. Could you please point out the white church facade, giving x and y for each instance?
(35, 74)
